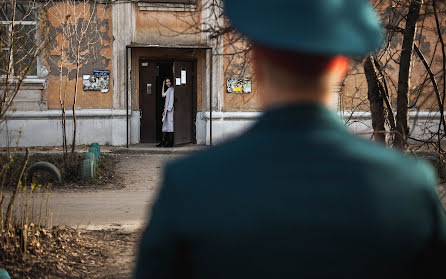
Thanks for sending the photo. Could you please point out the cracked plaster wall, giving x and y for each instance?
(96, 48)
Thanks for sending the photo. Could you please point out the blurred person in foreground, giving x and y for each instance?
(297, 196)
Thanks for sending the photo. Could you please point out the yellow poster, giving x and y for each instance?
(238, 85)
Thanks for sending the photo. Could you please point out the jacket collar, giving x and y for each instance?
(299, 117)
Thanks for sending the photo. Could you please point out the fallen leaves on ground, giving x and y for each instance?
(62, 252)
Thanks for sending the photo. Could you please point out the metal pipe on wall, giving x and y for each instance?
(127, 94)
(210, 97)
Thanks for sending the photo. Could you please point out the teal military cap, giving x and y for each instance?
(326, 27)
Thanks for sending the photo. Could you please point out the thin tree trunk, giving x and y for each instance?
(376, 101)
(434, 84)
(14, 193)
(73, 145)
(64, 135)
(443, 52)
(384, 89)
(62, 106)
(402, 117)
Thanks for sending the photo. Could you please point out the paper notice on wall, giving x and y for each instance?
(238, 85)
(98, 81)
(178, 81)
(183, 77)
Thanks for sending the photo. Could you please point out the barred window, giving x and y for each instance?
(18, 40)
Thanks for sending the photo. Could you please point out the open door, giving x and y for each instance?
(184, 102)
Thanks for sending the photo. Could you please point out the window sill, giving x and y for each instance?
(30, 83)
(167, 7)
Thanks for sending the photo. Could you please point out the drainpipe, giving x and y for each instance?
(127, 93)
(210, 98)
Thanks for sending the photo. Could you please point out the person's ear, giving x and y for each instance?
(339, 66)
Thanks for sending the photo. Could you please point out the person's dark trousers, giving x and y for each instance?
(169, 139)
(163, 142)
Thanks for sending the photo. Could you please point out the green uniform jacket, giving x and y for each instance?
(296, 196)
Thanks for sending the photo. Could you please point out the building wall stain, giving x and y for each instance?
(166, 27)
(88, 26)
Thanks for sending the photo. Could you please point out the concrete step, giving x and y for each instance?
(150, 148)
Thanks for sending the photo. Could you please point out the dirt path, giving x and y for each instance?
(125, 208)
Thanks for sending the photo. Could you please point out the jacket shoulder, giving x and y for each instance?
(204, 163)
(392, 163)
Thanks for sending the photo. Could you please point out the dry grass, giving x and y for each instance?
(71, 175)
(62, 252)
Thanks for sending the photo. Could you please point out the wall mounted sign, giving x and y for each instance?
(178, 81)
(238, 85)
(98, 81)
(183, 77)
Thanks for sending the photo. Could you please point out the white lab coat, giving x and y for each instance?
(168, 111)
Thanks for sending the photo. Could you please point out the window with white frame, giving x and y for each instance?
(18, 39)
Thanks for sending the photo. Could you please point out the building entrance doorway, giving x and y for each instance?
(152, 73)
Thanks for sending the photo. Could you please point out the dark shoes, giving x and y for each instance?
(167, 141)
(161, 144)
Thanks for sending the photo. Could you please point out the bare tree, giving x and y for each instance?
(440, 31)
(21, 43)
(402, 117)
(411, 27)
(375, 96)
(78, 23)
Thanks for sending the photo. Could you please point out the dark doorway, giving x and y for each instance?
(152, 73)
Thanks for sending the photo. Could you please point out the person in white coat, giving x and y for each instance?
(167, 128)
